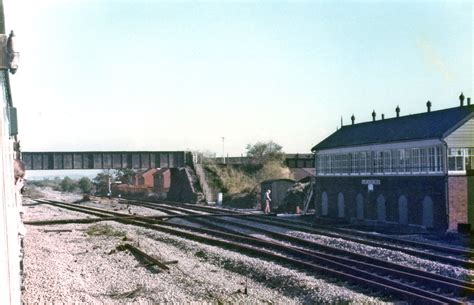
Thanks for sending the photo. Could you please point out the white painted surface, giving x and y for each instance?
(9, 217)
(462, 136)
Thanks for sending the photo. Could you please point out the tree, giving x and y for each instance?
(85, 184)
(101, 181)
(273, 170)
(67, 185)
(124, 175)
(263, 152)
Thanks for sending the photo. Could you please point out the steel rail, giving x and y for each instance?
(185, 205)
(383, 238)
(100, 212)
(390, 239)
(457, 286)
(419, 252)
(348, 273)
(356, 258)
(415, 252)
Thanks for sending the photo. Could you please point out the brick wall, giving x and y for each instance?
(414, 188)
(457, 189)
(162, 181)
(148, 178)
(470, 198)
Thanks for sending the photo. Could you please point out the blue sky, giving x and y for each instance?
(175, 75)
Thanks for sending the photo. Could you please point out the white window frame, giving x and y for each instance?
(408, 161)
(439, 159)
(402, 161)
(464, 154)
(364, 161)
(387, 162)
(416, 161)
(425, 157)
(435, 159)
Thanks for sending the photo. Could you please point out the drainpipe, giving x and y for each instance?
(446, 179)
(315, 154)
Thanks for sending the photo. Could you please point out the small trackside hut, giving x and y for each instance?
(413, 171)
(278, 188)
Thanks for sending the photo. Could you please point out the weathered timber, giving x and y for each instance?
(143, 255)
(57, 230)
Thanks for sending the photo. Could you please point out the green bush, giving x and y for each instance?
(85, 184)
(68, 185)
(273, 170)
(263, 152)
(230, 179)
(46, 182)
(241, 183)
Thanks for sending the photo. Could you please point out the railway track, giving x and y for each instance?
(452, 256)
(394, 240)
(327, 251)
(449, 255)
(419, 290)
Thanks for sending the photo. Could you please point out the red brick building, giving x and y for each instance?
(154, 180)
(144, 178)
(162, 180)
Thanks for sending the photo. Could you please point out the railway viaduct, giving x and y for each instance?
(106, 160)
(135, 160)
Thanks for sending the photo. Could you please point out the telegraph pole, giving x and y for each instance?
(223, 155)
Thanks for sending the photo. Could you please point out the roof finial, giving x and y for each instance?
(373, 115)
(397, 110)
(428, 106)
(461, 100)
(353, 119)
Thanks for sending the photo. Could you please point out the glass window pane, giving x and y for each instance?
(460, 163)
(401, 161)
(439, 159)
(468, 162)
(387, 162)
(408, 160)
(416, 160)
(423, 160)
(431, 159)
(451, 163)
(394, 159)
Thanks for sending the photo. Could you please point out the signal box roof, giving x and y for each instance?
(428, 125)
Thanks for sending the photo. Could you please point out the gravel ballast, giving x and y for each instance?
(375, 252)
(81, 263)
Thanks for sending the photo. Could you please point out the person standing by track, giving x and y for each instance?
(267, 202)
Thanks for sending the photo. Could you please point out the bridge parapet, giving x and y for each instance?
(106, 160)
